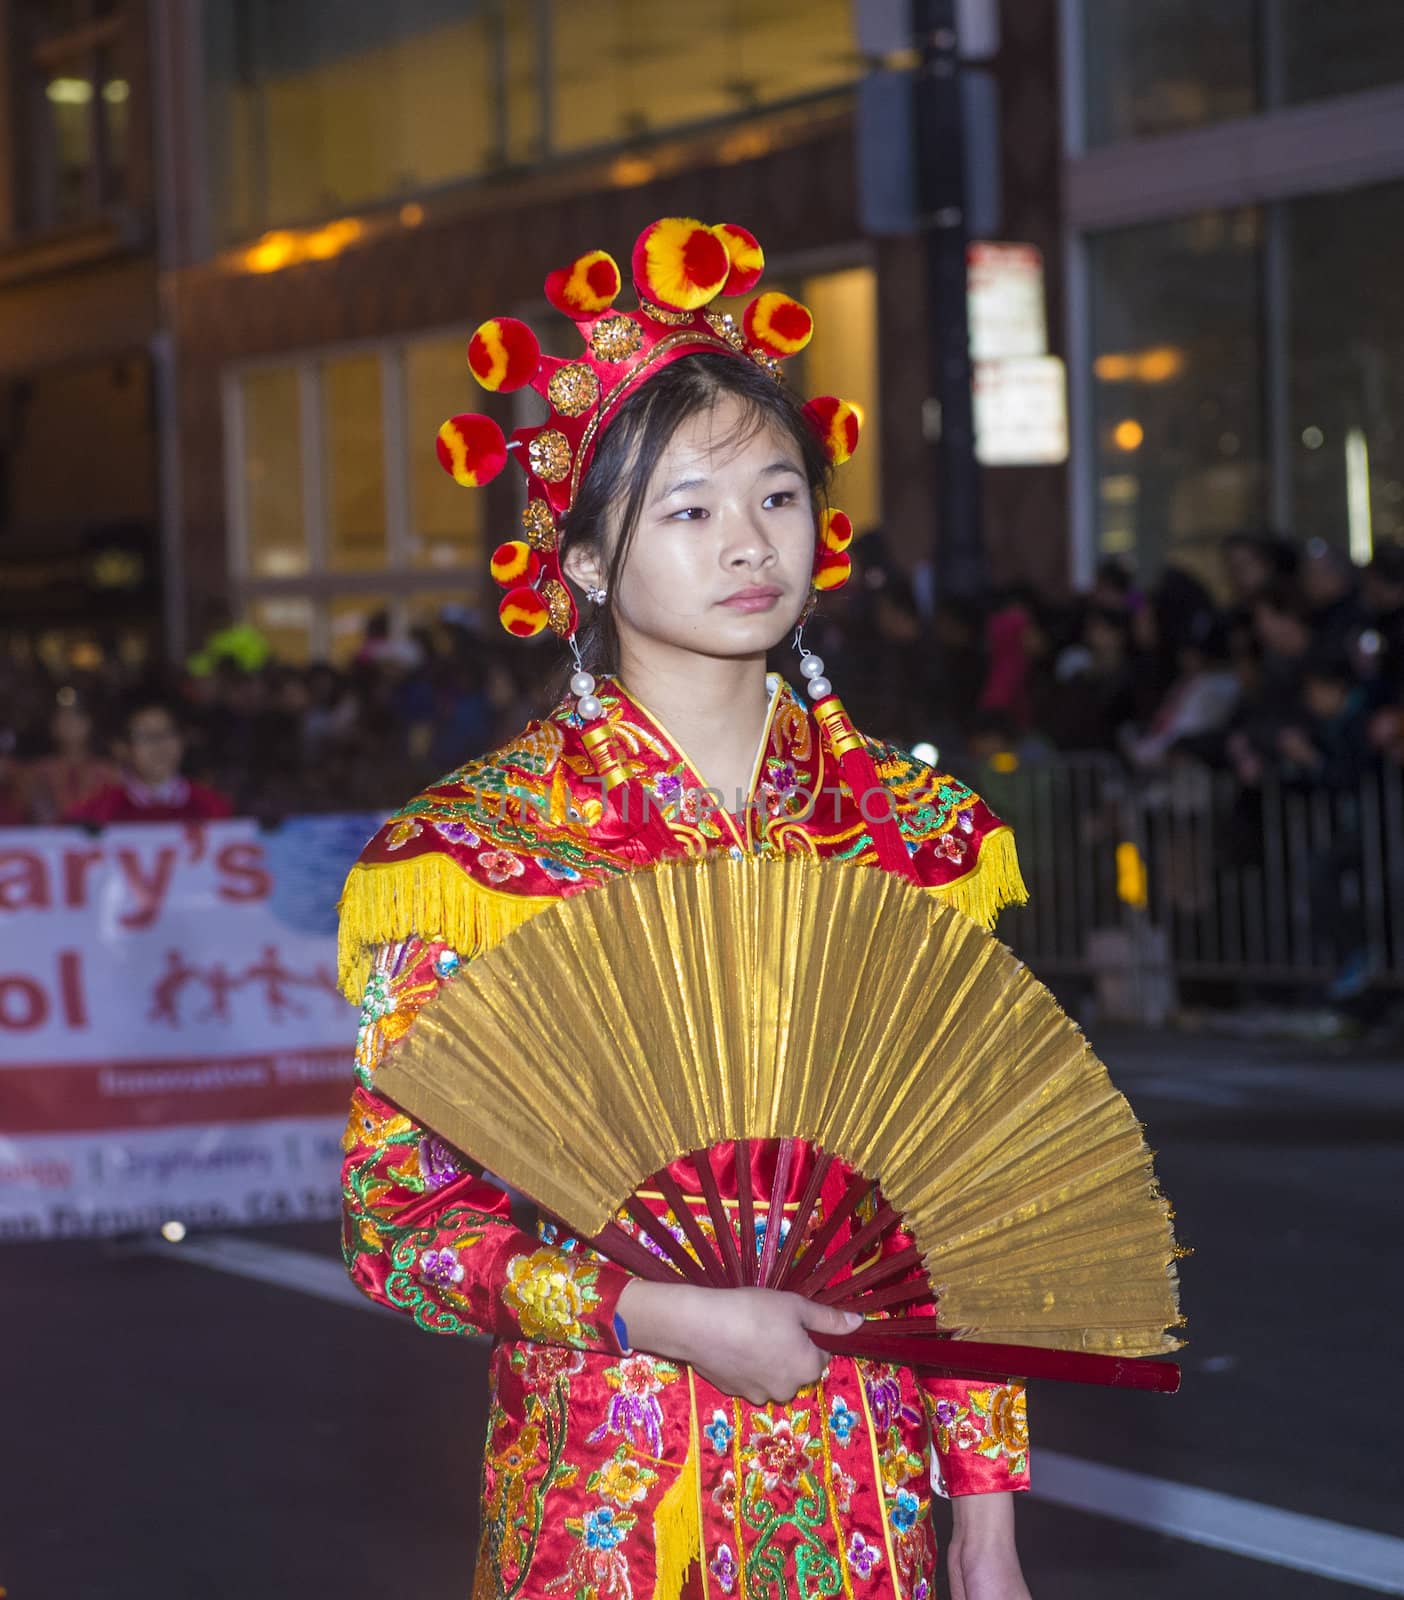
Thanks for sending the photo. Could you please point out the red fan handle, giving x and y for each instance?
(997, 1363)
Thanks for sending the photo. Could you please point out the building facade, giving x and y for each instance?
(242, 243)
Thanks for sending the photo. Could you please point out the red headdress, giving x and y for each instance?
(680, 268)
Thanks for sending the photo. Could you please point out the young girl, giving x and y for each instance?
(644, 1438)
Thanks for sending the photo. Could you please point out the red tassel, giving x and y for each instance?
(848, 749)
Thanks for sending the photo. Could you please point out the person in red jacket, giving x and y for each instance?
(151, 787)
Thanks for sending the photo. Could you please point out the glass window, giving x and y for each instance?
(286, 621)
(446, 521)
(1177, 368)
(1153, 66)
(272, 467)
(622, 69)
(316, 109)
(67, 142)
(1346, 352)
(353, 419)
(1329, 50)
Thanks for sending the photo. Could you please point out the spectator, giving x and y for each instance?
(73, 772)
(150, 787)
(1199, 704)
(1328, 586)
(13, 810)
(1328, 743)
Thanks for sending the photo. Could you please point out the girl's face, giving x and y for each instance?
(721, 562)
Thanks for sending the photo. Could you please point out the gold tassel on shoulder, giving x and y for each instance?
(430, 897)
(995, 883)
(677, 1523)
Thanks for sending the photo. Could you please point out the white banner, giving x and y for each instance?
(172, 1043)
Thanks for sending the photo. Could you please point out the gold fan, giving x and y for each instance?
(694, 1004)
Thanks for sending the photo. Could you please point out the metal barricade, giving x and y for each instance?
(1149, 881)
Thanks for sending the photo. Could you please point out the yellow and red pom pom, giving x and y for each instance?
(472, 450)
(837, 424)
(779, 325)
(835, 530)
(522, 612)
(746, 256)
(504, 355)
(586, 287)
(514, 563)
(832, 570)
(680, 264)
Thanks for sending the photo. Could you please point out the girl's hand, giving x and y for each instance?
(750, 1343)
(982, 1563)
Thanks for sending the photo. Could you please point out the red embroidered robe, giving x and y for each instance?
(611, 1475)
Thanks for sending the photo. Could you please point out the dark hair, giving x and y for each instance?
(1283, 597)
(1327, 663)
(151, 698)
(629, 453)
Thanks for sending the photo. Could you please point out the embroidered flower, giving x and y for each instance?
(862, 1556)
(458, 833)
(719, 1431)
(842, 1420)
(779, 1452)
(442, 1268)
(724, 1495)
(899, 1465)
(667, 789)
(723, 1568)
(697, 807)
(947, 845)
(561, 871)
(1003, 1411)
(548, 1292)
(633, 1407)
(401, 833)
(446, 963)
(844, 1486)
(601, 1531)
(903, 1511)
(499, 865)
(622, 1480)
(964, 823)
(437, 1165)
(884, 1390)
(544, 1364)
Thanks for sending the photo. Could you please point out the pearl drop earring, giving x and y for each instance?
(812, 669)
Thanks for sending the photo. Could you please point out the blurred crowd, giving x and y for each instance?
(1295, 671)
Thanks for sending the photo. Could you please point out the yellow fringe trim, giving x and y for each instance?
(677, 1523)
(431, 897)
(995, 883)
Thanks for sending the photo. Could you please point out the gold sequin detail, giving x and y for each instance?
(549, 454)
(573, 389)
(540, 525)
(725, 326)
(616, 339)
(671, 319)
(558, 608)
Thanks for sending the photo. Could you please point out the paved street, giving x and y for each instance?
(215, 1420)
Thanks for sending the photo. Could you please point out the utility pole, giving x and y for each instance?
(958, 554)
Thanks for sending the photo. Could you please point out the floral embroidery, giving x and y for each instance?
(899, 1465)
(884, 1390)
(719, 1431)
(637, 1382)
(401, 834)
(603, 1531)
(543, 1364)
(1001, 1415)
(550, 1293)
(458, 833)
(441, 1268)
(903, 1511)
(778, 1451)
(437, 1164)
(844, 1486)
(667, 789)
(723, 1567)
(862, 1556)
(499, 865)
(947, 845)
(623, 1481)
(724, 1495)
(446, 963)
(842, 1419)
(561, 871)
